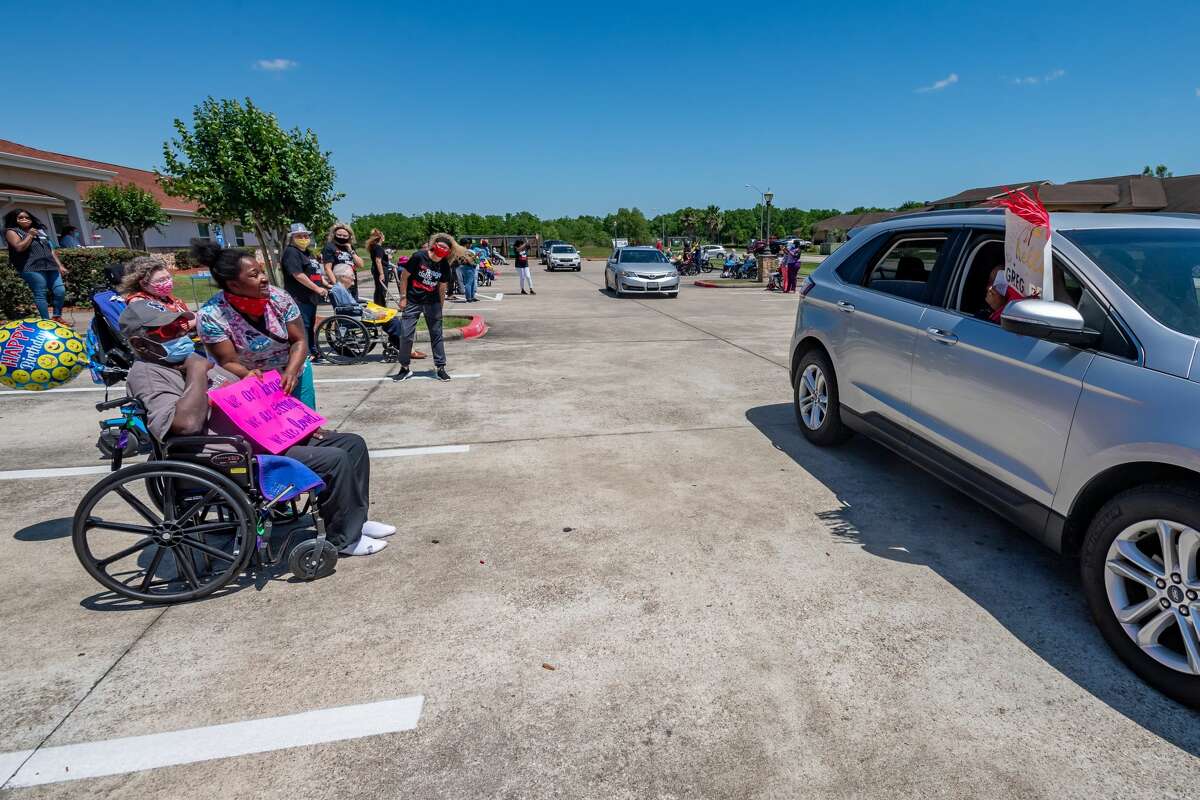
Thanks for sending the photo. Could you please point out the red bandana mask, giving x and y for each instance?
(251, 306)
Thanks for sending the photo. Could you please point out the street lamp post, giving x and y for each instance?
(768, 196)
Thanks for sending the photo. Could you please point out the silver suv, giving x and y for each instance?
(1072, 417)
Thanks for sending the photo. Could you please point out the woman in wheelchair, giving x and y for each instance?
(172, 383)
(346, 304)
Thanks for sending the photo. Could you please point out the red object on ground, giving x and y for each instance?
(475, 328)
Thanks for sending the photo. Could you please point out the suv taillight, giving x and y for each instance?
(807, 286)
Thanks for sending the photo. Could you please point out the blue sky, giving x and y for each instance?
(565, 108)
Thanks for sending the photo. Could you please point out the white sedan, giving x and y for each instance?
(563, 256)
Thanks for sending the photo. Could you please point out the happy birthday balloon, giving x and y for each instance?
(39, 354)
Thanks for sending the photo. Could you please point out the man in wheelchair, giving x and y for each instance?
(345, 303)
(172, 383)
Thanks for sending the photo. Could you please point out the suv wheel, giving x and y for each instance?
(1141, 575)
(815, 398)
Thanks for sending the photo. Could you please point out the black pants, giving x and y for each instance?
(342, 461)
(308, 314)
(408, 331)
(380, 297)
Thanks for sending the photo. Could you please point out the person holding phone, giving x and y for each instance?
(32, 255)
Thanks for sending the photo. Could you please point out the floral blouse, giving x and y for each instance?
(219, 322)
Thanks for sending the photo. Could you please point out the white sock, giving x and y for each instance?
(364, 546)
(377, 530)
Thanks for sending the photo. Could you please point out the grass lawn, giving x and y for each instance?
(595, 251)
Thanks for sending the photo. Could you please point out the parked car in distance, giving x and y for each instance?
(545, 249)
(640, 270)
(710, 251)
(1069, 415)
(563, 256)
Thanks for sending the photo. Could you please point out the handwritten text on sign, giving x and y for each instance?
(1025, 247)
(261, 410)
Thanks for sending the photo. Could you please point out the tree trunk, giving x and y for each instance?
(272, 248)
(124, 234)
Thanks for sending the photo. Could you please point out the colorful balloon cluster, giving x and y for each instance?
(38, 354)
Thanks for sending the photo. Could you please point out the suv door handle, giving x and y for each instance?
(844, 306)
(939, 335)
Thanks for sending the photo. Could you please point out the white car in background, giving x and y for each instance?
(563, 256)
(712, 251)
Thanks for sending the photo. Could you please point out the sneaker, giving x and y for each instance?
(377, 530)
(60, 321)
(404, 374)
(531, 291)
(442, 375)
(364, 546)
(524, 292)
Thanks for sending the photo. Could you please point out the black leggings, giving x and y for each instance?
(380, 297)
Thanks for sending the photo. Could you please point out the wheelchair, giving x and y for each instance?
(348, 337)
(194, 516)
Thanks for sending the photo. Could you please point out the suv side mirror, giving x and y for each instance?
(1046, 319)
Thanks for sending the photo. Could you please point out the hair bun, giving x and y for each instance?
(205, 252)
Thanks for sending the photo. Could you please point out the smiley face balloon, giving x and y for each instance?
(39, 354)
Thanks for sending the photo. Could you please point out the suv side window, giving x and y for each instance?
(906, 265)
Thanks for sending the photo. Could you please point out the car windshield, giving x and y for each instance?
(642, 257)
(562, 248)
(1158, 267)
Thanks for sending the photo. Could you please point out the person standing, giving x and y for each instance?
(32, 256)
(522, 265)
(303, 280)
(339, 249)
(423, 284)
(69, 238)
(381, 265)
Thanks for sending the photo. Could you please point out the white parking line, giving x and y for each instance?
(67, 472)
(21, 393)
(71, 762)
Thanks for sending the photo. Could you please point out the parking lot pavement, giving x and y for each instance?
(637, 581)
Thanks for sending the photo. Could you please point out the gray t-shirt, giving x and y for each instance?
(159, 389)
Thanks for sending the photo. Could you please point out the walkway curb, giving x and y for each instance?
(709, 284)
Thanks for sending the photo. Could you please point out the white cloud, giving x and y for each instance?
(275, 64)
(1033, 80)
(937, 86)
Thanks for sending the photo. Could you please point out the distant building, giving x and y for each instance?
(53, 185)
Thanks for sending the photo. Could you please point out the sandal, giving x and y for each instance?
(418, 354)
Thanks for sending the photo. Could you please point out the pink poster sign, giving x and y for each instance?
(260, 409)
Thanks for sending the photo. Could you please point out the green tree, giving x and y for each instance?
(908, 205)
(689, 219)
(714, 221)
(238, 163)
(128, 209)
(1160, 171)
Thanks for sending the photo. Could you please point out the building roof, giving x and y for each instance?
(1113, 194)
(847, 221)
(141, 178)
(983, 193)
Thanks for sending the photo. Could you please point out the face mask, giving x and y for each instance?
(161, 288)
(340, 240)
(178, 350)
(302, 242)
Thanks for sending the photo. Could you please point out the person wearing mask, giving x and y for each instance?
(32, 256)
(339, 249)
(791, 266)
(521, 262)
(250, 326)
(172, 382)
(381, 266)
(148, 279)
(423, 292)
(303, 280)
(69, 238)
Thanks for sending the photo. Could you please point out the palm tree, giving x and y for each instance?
(689, 219)
(714, 220)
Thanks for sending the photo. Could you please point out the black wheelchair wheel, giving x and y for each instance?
(344, 340)
(309, 562)
(183, 545)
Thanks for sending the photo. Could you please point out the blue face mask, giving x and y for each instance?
(178, 350)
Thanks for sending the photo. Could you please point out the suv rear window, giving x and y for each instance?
(1158, 267)
(906, 266)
